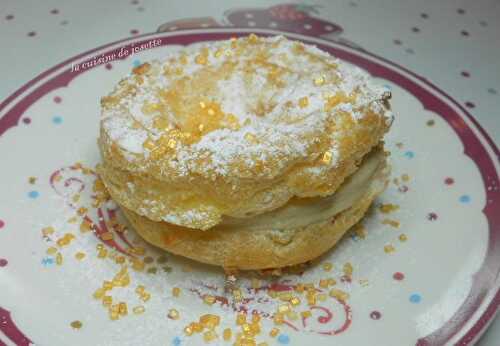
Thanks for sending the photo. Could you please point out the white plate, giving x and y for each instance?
(438, 287)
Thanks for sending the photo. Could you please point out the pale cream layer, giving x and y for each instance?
(306, 211)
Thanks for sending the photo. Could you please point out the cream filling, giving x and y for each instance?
(306, 211)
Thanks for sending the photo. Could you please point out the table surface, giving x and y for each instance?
(454, 44)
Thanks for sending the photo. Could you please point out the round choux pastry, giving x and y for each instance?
(250, 153)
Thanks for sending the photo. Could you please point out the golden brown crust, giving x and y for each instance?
(256, 249)
(171, 155)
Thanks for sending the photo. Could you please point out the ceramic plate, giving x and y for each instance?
(420, 269)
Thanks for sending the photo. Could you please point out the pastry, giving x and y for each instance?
(250, 153)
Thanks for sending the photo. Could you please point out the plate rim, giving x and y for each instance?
(486, 316)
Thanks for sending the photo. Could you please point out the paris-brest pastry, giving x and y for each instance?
(250, 153)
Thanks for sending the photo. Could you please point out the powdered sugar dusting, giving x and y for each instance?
(281, 96)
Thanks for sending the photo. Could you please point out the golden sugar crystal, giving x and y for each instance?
(323, 283)
(250, 138)
(138, 310)
(392, 223)
(292, 315)
(299, 288)
(107, 236)
(326, 158)
(336, 99)
(76, 198)
(59, 259)
(218, 53)
(319, 81)
(148, 260)
(120, 259)
(295, 301)
(99, 293)
(114, 315)
(348, 269)
(85, 226)
(232, 121)
(173, 314)
(150, 108)
(140, 289)
(241, 319)
(183, 59)
(389, 248)
(311, 300)
(208, 299)
(32, 180)
(47, 231)
(209, 336)
(149, 144)
(196, 327)
(145, 296)
(188, 331)
(339, 294)
(137, 265)
(309, 287)
(51, 250)
(158, 152)
(272, 293)
(282, 308)
(252, 38)
(122, 308)
(285, 296)
(176, 291)
(227, 334)
(255, 318)
(107, 300)
(82, 211)
(405, 177)
(80, 255)
(303, 102)
(141, 69)
(321, 297)
(234, 43)
(62, 241)
(274, 332)
(210, 321)
(76, 324)
(388, 208)
(327, 266)
(246, 329)
(139, 250)
(306, 314)
(255, 328)
(107, 285)
(200, 60)
(332, 282)
(172, 143)
(278, 318)
(237, 295)
(102, 253)
(161, 123)
(403, 237)
(256, 283)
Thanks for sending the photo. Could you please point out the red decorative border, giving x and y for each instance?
(485, 280)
